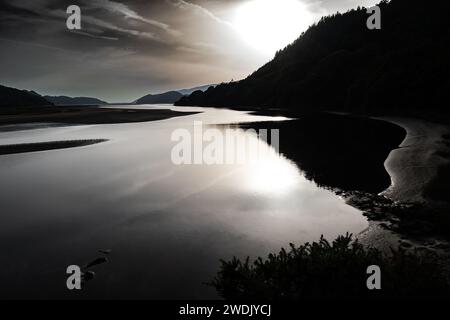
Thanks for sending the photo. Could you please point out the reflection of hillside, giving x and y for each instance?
(339, 151)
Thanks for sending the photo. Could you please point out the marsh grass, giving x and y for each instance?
(336, 270)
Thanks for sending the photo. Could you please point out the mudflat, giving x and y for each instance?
(44, 146)
(83, 115)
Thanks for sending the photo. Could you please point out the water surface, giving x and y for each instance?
(167, 225)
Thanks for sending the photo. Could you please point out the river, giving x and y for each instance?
(166, 225)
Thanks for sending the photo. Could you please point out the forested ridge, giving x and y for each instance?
(339, 64)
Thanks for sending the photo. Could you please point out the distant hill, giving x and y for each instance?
(63, 100)
(170, 96)
(339, 64)
(191, 90)
(11, 97)
(167, 97)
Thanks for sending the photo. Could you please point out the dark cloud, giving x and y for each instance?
(125, 48)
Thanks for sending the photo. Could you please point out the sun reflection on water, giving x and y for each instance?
(266, 171)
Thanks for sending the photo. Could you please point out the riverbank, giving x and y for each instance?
(45, 146)
(416, 167)
(82, 115)
(413, 212)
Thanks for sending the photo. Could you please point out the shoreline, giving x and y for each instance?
(414, 167)
(76, 115)
(47, 146)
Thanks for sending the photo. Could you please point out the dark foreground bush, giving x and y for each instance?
(331, 270)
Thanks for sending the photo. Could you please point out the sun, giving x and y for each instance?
(270, 25)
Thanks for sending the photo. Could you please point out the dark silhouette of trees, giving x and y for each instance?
(339, 64)
(20, 98)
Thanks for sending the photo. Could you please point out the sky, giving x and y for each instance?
(127, 49)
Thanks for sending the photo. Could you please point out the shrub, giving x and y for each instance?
(331, 270)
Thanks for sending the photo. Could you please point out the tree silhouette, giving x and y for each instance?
(339, 64)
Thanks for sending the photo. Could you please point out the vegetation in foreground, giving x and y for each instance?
(334, 270)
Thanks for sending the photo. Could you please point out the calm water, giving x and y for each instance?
(167, 225)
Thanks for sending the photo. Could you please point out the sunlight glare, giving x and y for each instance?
(272, 174)
(270, 25)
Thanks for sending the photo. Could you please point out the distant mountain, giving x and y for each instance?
(63, 100)
(191, 90)
(170, 96)
(339, 64)
(11, 97)
(167, 97)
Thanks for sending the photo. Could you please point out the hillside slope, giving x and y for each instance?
(167, 97)
(67, 101)
(11, 97)
(340, 64)
(189, 91)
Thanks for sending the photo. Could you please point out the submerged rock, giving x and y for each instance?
(87, 276)
(96, 262)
